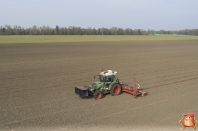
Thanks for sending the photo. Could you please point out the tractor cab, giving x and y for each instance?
(107, 77)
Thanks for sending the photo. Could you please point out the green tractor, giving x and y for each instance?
(108, 83)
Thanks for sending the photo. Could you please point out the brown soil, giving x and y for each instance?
(37, 85)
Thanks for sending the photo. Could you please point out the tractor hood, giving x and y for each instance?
(95, 85)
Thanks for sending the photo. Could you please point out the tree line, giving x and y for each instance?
(72, 30)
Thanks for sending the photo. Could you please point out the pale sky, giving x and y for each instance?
(134, 14)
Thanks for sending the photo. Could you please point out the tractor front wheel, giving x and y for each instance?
(116, 90)
(98, 95)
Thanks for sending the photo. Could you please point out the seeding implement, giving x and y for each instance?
(108, 83)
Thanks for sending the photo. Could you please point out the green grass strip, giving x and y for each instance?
(88, 38)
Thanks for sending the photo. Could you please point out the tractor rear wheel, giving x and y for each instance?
(98, 95)
(116, 89)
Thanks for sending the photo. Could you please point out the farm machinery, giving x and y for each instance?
(108, 83)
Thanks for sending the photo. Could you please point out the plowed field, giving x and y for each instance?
(37, 85)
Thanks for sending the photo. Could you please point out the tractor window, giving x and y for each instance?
(108, 79)
(102, 79)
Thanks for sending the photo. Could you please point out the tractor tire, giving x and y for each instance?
(98, 95)
(116, 89)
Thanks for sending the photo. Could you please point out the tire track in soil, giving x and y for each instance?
(83, 79)
(155, 86)
(137, 108)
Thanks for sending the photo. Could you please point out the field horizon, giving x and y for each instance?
(89, 38)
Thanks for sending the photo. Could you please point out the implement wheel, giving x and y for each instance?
(116, 89)
(98, 95)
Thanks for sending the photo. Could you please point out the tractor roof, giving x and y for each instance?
(108, 73)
